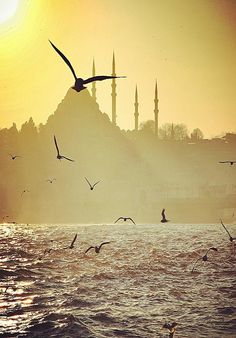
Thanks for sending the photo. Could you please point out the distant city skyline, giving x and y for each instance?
(188, 47)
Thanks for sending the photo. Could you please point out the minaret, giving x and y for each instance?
(94, 83)
(113, 94)
(136, 114)
(156, 111)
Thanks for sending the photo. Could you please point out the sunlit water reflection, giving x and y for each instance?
(136, 283)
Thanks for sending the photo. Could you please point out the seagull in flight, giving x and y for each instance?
(230, 237)
(79, 83)
(51, 180)
(230, 162)
(171, 327)
(91, 185)
(125, 219)
(59, 156)
(163, 220)
(23, 192)
(205, 257)
(96, 248)
(72, 243)
(13, 157)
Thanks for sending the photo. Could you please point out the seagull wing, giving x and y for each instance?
(65, 59)
(91, 247)
(55, 141)
(196, 263)
(73, 242)
(95, 183)
(225, 229)
(88, 182)
(103, 244)
(68, 159)
(100, 78)
(119, 219)
(224, 161)
(131, 220)
(163, 213)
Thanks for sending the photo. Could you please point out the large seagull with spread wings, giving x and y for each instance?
(79, 82)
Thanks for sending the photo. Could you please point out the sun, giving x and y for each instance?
(7, 9)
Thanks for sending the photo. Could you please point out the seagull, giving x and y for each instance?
(72, 243)
(24, 191)
(13, 157)
(91, 185)
(60, 157)
(205, 257)
(163, 220)
(230, 237)
(46, 251)
(171, 328)
(79, 83)
(125, 219)
(230, 162)
(97, 248)
(51, 180)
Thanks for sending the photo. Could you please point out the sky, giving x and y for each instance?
(187, 46)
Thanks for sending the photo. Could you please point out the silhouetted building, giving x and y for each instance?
(136, 114)
(113, 94)
(156, 111)
(94, 83)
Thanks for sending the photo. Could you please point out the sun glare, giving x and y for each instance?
(7, 9)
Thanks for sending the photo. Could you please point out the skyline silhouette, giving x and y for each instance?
(140, 172)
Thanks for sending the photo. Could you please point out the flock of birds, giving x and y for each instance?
(79, 85)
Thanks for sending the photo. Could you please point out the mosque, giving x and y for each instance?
(136, 104)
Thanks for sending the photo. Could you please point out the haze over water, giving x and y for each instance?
(136, 283)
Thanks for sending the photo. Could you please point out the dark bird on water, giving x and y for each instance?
(97, 248)
(59, 156)
(125, 219)
(163, 220)
(230, 237)
(171, 327)
(230, 162)
(204, 258)
(79, 82)
(91, 185)
(51, 180)
(13, 157)
(71, 246)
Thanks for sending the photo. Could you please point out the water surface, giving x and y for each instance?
(136, 283)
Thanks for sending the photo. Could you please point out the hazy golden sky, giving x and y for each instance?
(189, 46)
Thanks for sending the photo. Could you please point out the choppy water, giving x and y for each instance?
(135, 284)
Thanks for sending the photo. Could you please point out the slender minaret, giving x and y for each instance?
(94, 83)
(156, 111)
(113, 94)
(136, 114)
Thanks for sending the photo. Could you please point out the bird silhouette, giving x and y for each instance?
(163, 220)
(230, 162)
(91, 185)
(79, 82)
(46, 251)
(59, 156)
(97, 248)
(171, 327)
(13, 157)
(71, 246)
(51, 180)
(230, 237)
(205, 257)
(24, 191)
(125, 219)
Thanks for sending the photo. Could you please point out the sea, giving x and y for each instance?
(140, 280)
